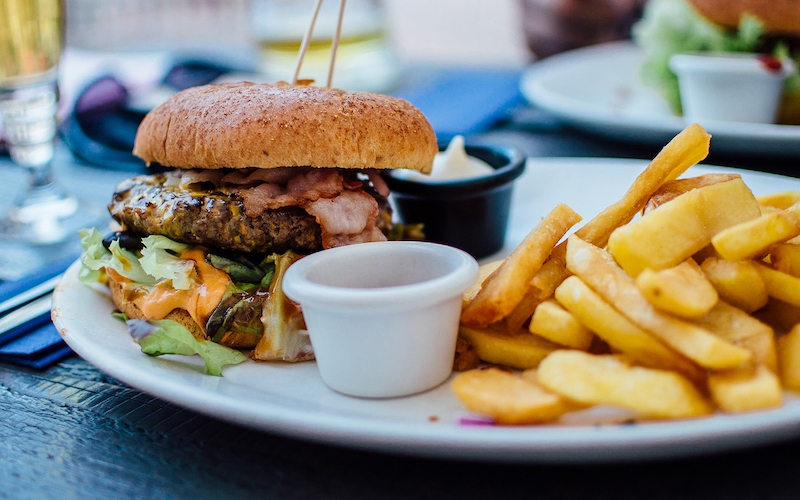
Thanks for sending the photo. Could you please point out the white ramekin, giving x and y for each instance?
(382, 317)
(729, 86)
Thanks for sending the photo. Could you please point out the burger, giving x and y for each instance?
(669, 27)
(251, 177)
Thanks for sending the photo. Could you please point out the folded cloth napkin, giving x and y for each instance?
(35, 343)
(38, 348)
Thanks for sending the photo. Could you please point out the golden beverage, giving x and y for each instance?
(279, 56)
(364, 58)
(31, 38)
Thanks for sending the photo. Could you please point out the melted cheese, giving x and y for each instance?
(199, 301)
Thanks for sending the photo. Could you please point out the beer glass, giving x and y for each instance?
(31, 39)
(365, 59)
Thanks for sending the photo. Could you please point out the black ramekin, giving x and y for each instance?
(470, 214)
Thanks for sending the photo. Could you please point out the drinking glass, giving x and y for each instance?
(31, 39)
(365, 59)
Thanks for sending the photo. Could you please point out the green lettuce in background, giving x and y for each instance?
(670, 27)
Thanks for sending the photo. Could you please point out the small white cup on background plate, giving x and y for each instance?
(383, 317)
(730, 86)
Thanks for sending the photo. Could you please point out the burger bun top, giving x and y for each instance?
(242, 125)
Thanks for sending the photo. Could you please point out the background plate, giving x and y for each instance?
(598, 89)
(291, 399)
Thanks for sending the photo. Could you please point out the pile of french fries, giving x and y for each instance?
(689, 309)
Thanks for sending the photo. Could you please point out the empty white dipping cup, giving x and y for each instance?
(383, 317)
(729, 86)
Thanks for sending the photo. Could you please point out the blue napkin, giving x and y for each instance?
(39, 348)
(35, 343)
(465, 101)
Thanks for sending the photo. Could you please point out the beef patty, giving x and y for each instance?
(150, 205)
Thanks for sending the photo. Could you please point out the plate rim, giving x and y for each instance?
(532, 444)
(649, 128)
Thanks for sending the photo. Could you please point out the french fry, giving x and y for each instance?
(706, 252)
(780, 285)
(738, 283)
(484, 271)
(466, 357)
(753, 238)
(789, 354)
(743, 330)
(781, 201)
(552, 272)
(506, 287)
(523, 312)
(785, 258)
(676, 318)
(780, 315)
(591, 379)
(682, 290)
(674, 188)
(687, 148)
(597, 269)
(556, 324)
(509, 398)
(519, 350)
(678, 229)
(745, 389)
(622, 335)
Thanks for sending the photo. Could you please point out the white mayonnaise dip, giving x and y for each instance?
(451, 164)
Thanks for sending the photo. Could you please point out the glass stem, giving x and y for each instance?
(40, 176)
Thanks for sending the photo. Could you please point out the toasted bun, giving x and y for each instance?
(245, 125)
(779, 16)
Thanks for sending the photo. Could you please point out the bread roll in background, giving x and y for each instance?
(780, 17)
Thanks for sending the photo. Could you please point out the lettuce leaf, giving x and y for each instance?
(157, 262)
(160, 261)
(157, 337)
(670, 27)
(94, 257)
(126, 263)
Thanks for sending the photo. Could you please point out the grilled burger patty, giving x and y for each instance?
(145, 205)
(150, 204)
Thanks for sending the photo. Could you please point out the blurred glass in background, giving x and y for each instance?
(381, 37)
(265, 34)
(364, 59)
(148, 25)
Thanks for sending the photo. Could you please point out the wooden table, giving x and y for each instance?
(73, 432)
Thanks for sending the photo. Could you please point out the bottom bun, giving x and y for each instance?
(230, 339)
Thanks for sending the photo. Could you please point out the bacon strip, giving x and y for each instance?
(343, 210)
(348, 218)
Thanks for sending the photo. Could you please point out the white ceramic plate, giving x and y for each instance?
(291, 399)
(598, 89)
